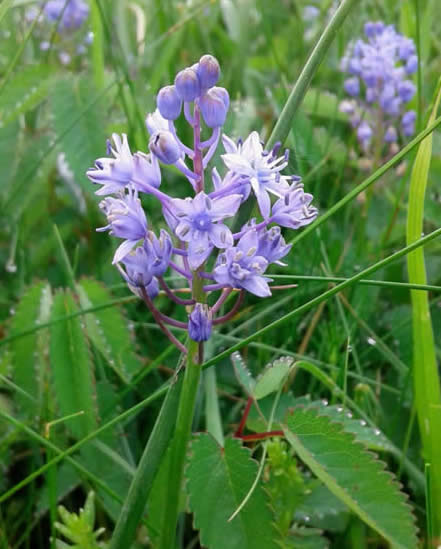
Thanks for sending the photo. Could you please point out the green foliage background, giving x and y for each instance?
(73, 338)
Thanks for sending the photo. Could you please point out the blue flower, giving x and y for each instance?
(294, 210)
(200, 323)
(126, 219)
(260, 168)
(70, 13)
(241, 267)
(113, 173)
(199, 224)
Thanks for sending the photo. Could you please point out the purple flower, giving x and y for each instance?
(155, 122)
(406, 90)
(272, 245)
(199, 224)
(214, 108)
(165, 147)
(200, 323)
(408, 123)
(146, 172)
(240, 266)
(352, 86)
(391, 135)
(294, 210)
(137, 272)
(262, 169)
(159, 250)
(126, 219)
(187, 84)
(70, 13)
(169, 103)
(364, 133)
(208, 71)
(381, 65)
(113, 173)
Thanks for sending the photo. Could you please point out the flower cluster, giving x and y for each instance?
(379, 85)
(68, 16)
(199, 245)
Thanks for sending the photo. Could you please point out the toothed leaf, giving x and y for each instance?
(108, 329)
(71, 367)
(243, 375)
(218, 481)
(273, 377)
(352, 474)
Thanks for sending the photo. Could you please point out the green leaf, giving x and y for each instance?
(353, 475)
(26, 359)
(108, 330)
(218, 480)
(426, 379)
(79, 129)
(71, 367)
(243, 375)
(273, 377)
(24, 92)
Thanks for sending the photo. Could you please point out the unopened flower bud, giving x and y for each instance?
(187, 85)
(213, 108)
(208, 71)
(200, 322)
(169, 103)
(165, 147)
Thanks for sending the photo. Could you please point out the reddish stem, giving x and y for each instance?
(261, 436)
(243, 421)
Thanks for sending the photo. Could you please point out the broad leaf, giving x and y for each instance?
(218, 481)
(352, 474)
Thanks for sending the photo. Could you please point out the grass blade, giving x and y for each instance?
(425, 371)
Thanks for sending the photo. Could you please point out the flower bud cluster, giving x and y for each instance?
(200, 244)
(379, 85)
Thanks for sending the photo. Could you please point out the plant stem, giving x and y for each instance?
(190, 384)
(284, 123)
(179, 445)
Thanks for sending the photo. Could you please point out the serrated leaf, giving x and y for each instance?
(370, 436)
(243, 375)
(25, 359)
(273, 377)
(320, 508)
(218, 480)
(79, 127)
(24, 92)
(352, 474)
(108, 330)
(71, 367)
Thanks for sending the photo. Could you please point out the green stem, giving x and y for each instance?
(134, 504)
(426, 379)
(284, 123)
(97, 46)
(190, 386)
(180, 443)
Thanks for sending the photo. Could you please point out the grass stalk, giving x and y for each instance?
(426, 381)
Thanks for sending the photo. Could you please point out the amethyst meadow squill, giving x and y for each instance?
(379, 70)
(200, 244)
